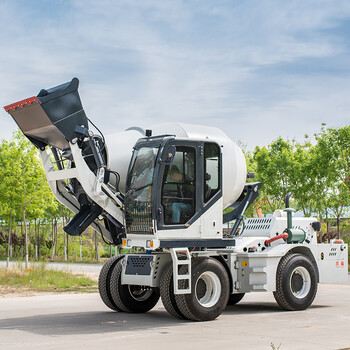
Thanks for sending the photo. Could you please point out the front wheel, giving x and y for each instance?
(210, 291)
(104, 282)
(131, 298)
(296, 282)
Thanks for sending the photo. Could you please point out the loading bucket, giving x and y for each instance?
(51, 117)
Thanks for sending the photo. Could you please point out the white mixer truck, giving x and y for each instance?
(163, 191)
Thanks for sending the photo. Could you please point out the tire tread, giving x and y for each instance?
(184, 301)
(279, 293)
(115, 291)
(122, 297)
(166, 288)
(104, 282)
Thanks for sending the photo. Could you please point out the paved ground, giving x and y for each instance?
(81, 321)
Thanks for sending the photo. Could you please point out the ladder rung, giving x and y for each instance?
(180, 263)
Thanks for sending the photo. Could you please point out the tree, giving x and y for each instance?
(256, 207)
(331, 171)
(65, 214)
(8, 186)
(52, 215)
(281, 169)
(338, 200)
(32, 188)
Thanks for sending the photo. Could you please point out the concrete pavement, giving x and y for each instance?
(81, 321)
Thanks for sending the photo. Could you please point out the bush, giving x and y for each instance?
(3, 251)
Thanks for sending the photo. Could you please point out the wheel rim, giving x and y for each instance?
(208, 289)
(140, 293)
(300, 282)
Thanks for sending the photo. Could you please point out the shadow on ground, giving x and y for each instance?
(251, 308)
(106, 322)
(87, 322)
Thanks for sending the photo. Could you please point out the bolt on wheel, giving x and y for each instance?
(300, 282)
(140, 293)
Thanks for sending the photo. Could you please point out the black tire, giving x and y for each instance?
(167, 292)
(296, 282)
(129, 298)
(235, 298)
(210, 291)
(104, 282)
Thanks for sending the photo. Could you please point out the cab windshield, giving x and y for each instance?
(138, 199)
(140, 178)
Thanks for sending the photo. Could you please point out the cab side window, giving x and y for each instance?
(179, 187)
(211, 170)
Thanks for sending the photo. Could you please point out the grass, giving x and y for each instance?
(58, 259)
(42, 279)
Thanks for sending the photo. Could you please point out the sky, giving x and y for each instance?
(256, 69)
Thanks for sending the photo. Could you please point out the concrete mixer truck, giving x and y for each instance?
(163, 191)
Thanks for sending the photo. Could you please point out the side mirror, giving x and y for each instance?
(169, 155)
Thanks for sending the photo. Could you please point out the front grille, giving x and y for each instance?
(138, 217)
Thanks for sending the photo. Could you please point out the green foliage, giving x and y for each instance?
(283, 167)
(331, 171)
(2, 250)
(317, 174)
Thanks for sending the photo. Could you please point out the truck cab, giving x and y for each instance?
(171, 184)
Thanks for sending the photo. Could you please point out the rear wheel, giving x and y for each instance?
(296, 282)
(167, 292)
(132, 298)
(235, 298)
(104, 282)
(210, 291)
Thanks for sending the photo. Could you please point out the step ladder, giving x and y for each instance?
(182, 282)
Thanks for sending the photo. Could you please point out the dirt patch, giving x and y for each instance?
(15, 292)
(93, 276)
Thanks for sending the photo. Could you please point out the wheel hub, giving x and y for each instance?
(140, 293)
(208, 289)
(297, 283)
(201, 289)
(300, 282)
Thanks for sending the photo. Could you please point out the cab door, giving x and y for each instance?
(189, 189)
(179, 186)
(212, 209)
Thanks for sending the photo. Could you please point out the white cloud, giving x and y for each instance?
(141, 62)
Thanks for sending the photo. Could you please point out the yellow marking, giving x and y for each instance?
(244, 263)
